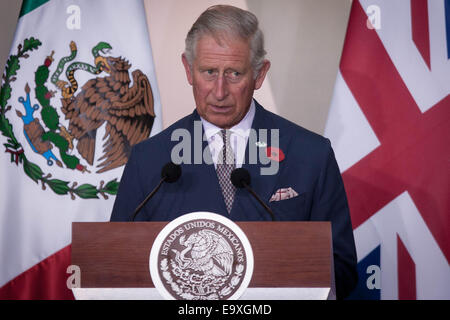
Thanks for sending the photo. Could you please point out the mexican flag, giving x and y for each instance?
(78, 91)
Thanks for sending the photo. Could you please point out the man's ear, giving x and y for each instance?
(262, 74)
(187, 68)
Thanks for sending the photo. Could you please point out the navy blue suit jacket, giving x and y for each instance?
(309, 168)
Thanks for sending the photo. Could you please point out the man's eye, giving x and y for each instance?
(233, 75)
(209, 74)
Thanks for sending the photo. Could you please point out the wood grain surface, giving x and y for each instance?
(286, 254)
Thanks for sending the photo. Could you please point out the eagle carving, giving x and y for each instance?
(210, 254)
(127, 110)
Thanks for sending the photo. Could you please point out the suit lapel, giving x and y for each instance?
(204, 172)
(245, 207)
(262, 184)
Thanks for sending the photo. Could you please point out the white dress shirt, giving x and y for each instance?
(238, 137)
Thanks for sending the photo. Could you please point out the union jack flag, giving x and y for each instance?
(389, 125)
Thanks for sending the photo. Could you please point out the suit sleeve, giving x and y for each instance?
(330, 204)
(129, 194)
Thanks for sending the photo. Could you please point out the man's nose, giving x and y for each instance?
(221, 88)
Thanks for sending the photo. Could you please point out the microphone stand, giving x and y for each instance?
(148, 198)
(259, 200)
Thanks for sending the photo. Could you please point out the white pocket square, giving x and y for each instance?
(283, 194)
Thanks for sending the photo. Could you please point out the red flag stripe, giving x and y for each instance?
(406, 273)
(374, 81)
(44, 281)
(420, 28)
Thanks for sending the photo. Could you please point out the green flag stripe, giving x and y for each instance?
(30, 5)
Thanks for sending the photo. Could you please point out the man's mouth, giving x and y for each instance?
(220, 109)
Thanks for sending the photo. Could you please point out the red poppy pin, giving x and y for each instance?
(275, 154)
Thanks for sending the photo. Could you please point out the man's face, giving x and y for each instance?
(223, 80)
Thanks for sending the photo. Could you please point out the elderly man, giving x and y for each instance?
(225, 62)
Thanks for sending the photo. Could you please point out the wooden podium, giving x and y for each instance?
(292, 260)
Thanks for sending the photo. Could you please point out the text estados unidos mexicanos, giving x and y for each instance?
(205, 224)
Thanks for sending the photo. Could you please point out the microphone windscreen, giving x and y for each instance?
(240, 177)
(171, 172)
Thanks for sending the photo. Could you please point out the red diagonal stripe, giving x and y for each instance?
(416, 163)
(406, 273)
(420, 28)
(374, 80)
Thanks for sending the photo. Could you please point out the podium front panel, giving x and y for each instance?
(286, 254)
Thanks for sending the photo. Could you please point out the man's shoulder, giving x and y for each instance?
(301, 145)
(296, 133)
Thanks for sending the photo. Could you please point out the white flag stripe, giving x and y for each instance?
(427, 87)
(351, 136)
(401, 217)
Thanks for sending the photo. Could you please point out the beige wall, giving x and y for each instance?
(303, 38)
(9, 11)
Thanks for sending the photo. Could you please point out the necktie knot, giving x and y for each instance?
(227, 154)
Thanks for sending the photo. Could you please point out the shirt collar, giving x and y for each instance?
(242, 129)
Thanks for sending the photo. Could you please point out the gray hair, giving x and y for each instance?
(223, 20)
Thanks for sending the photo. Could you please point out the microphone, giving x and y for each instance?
(241, 179)
(170, 173)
